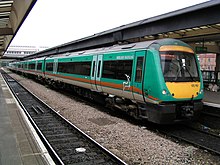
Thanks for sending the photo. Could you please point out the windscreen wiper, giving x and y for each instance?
(190, 74)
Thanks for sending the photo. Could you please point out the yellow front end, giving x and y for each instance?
(183, 90)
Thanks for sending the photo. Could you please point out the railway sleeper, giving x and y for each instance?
(53, 128)
(49, 125)
(71, 145)
(59, 136)
(63, 139)
(81, 157)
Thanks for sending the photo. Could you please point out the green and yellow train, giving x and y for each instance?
(158, 80)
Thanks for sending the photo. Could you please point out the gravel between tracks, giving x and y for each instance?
(132, 143)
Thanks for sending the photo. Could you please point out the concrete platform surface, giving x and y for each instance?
(18, 142)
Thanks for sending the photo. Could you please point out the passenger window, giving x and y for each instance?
(80, 68)
(93, 69)
(139, 69)
(31, 66)
(39, 66)
(99, 65)
(117, 69)
(49, 66)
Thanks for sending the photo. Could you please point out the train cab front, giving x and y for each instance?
(183, 82)
(181, 94)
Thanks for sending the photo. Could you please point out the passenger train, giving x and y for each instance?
(156, 80)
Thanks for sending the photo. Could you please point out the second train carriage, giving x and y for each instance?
(159, 80)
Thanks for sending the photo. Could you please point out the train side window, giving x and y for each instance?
(93, 69)
(117, 69)
(109, 69)
(80, 68)
(39, 66)
(139, 69)
(49, 66)
(31, 66)
(99, 65)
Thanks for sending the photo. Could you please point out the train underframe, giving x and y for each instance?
(163, 113)
(171, 112)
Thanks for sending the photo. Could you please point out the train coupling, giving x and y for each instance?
(187, 111)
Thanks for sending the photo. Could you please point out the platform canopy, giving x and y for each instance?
(196, 24)
(12, 15)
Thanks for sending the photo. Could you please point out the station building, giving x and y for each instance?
(207, 61)
(18, 52)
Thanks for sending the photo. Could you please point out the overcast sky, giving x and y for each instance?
(54, 22)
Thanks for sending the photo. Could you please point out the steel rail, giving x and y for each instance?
(193, 136)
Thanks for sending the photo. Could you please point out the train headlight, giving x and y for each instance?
(164, 92)
(201, 91)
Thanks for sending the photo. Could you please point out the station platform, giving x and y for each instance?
(212, 98)
(19, 143)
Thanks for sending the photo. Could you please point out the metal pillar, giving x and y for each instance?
(217, 68)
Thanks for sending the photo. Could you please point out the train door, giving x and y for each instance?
(35, 69)
(55, 65)
(43, 68)
(138, 71)
(97, 63)
(126, 67)
(99, 72)
(93, 75)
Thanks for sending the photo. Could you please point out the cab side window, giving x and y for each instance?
(139, 69)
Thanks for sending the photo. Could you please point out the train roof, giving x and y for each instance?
(132, 46)
(138, 45)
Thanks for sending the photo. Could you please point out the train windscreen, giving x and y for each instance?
(179, 66)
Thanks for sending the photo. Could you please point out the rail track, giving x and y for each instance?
(202, 139)
(210, 118)
(204, 133)
(211, 111)
(66, 143)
